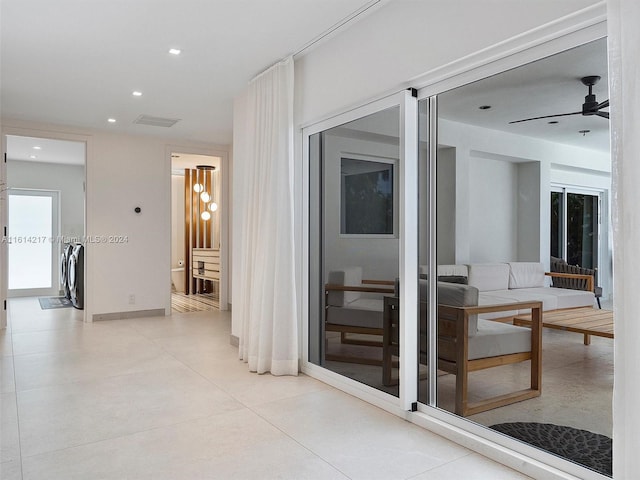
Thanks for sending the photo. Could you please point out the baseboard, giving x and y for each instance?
(158, 312)
(234, 340)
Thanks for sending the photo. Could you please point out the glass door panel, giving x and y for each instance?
(354, 241)
(31, 234)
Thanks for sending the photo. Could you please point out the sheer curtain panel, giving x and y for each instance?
(265, 306)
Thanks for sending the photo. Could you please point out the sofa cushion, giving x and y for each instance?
(457, 295)
(364, 312)
(526, 275)
(572, 298)
(549, 301)
(346, 276)
(489, 276)
(494, 298)
(453, 271)
(495, 338)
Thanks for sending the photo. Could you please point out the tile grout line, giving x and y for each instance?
(251, 408)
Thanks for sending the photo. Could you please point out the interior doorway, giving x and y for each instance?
(44, 214)
(195, 232)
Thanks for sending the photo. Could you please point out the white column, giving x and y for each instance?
(624, 43)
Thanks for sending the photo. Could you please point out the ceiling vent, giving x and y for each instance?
(156, 121)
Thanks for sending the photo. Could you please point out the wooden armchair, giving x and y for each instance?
(467, 344)
(349, 312)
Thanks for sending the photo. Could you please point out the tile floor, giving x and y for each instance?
(166, 398)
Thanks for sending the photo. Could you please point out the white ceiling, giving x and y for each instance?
(77, 62)
(45, 150)
(545, 87)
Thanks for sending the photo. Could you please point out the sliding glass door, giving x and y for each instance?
(575, 226)
(361, 170)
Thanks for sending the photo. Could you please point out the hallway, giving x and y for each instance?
(166, 398)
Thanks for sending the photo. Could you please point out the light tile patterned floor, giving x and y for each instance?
(167, 398)
(203, 302)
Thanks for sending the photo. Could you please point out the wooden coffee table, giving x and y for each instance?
(588, 321)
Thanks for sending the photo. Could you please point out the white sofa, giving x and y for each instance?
(504, 283)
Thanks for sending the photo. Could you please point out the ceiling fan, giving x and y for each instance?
(589, 107)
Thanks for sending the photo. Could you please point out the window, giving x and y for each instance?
(367, 197)
(575, 227)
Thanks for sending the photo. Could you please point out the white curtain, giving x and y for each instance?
(623, 17)
(265, 306)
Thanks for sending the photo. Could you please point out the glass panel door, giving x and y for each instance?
(32, 253)
(361, 174)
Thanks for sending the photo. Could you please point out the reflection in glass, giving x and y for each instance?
(354, 248)
(499, 221)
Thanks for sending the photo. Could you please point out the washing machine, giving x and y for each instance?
(64, 272)
(75, 271)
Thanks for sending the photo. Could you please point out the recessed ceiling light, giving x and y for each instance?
(33, 157)
(553, 122)
(484, 107)
(37, 148)
(174, 51)
(136, 93)
(111, 120)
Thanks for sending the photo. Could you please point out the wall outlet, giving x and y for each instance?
(132, 299)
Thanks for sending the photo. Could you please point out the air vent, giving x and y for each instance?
(156, 121)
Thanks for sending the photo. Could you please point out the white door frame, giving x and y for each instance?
(225, 211)
(20, 131)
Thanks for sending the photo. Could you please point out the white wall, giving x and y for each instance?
(537, 164)
(124, 172)
(492, 211)
(67, 179)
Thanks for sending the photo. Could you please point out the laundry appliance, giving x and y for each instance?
(75, 270)
(64, 269)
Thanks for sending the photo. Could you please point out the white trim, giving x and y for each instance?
(408, 255)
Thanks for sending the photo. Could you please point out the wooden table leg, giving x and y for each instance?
(587, 339)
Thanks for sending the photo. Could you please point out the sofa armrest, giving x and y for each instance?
(358, 288)
(576, 276)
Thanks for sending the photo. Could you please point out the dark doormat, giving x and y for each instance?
(47, 303)
(589, 449)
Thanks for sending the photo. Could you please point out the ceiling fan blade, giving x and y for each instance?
(604, 104)
(603, 114)
(547, 116)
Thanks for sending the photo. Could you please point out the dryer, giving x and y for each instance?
(75, 270)
(64, 269)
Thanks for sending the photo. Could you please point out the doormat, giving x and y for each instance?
(589, 449)
(47, 303)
